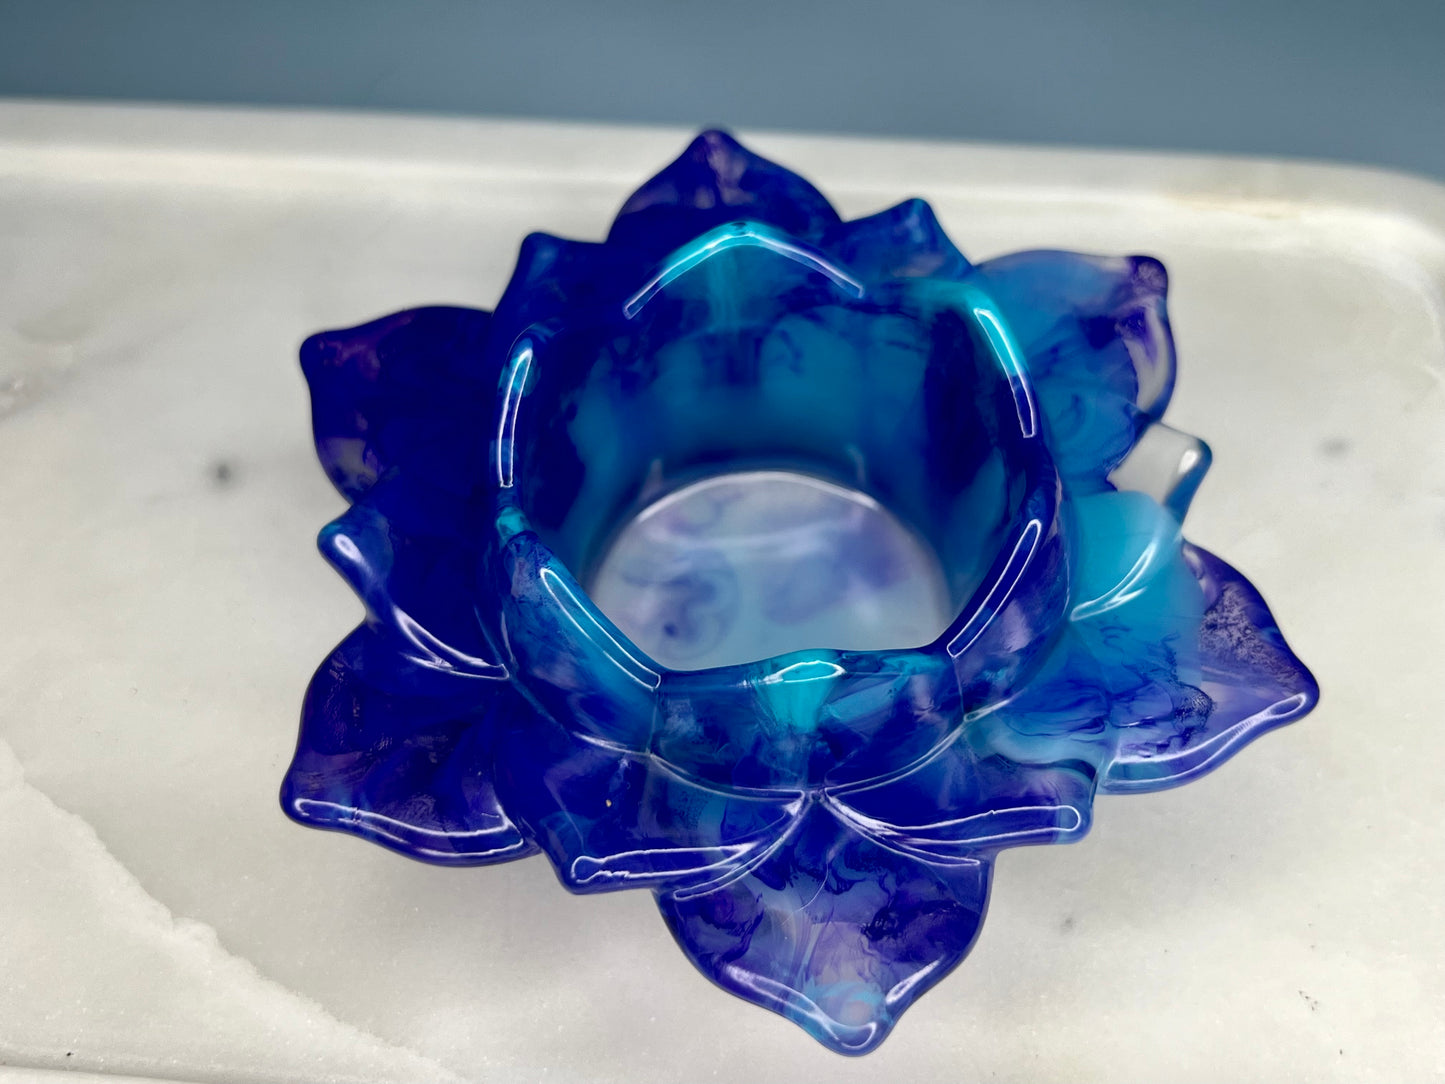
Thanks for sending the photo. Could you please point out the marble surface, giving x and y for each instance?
(163, 607)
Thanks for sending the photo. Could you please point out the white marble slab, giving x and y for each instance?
(162, 607)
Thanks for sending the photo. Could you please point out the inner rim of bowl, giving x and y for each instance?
(745, 361)
(756, 564)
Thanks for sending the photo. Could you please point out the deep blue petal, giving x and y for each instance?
(609, 819)
(832, 930)
(402, 755)
(987, 789)
(407, 388)
(1096, 334)
(1245, 682)
(905, 241)
(1168, 648)
(715, 181)
(557, 281)
(409, 551)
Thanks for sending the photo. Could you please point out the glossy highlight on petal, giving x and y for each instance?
(403, 756)
(738, 429)
(404, 557)
(1250, 680)
(832, 930)
(610, 821)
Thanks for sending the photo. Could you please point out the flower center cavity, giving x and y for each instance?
(758, 563)
(753, 458)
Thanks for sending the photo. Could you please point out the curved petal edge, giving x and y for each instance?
(1253, 683)
(833, 931)
(403, 756)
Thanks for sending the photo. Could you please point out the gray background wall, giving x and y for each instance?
(1326, 79)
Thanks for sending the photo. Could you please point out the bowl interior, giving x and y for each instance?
(759, 563)
(762, 425)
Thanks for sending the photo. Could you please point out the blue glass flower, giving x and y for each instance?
(818, 827)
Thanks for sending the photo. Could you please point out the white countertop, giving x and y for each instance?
(162, 608)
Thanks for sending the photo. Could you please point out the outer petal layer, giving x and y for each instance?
(1169, 648)
(402, 755)
(834, 931)
(985, 790)
(410, 553)
(402, 389)
(610, 819)
(905, 241)
(1246, 674)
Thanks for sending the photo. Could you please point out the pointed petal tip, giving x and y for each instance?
(331, 345)
(715, 139)
(714, 180)
(1167, 465)
(401, 754)
(540, 252)
(314, 351)
(1136, 775)
(918, 212)
(381, 391)
(340, 343)
(902, 241)
(338, 543)
(857, 1026)
(1100, 350)
(859, 1017)
(716, 149)
(833, 931)
(1252, 682)
(1150, 276)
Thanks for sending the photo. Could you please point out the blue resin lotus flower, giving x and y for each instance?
(818, 827)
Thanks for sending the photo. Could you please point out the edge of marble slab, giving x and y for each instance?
(203, 146)
(16, 1074)
(189, 144)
